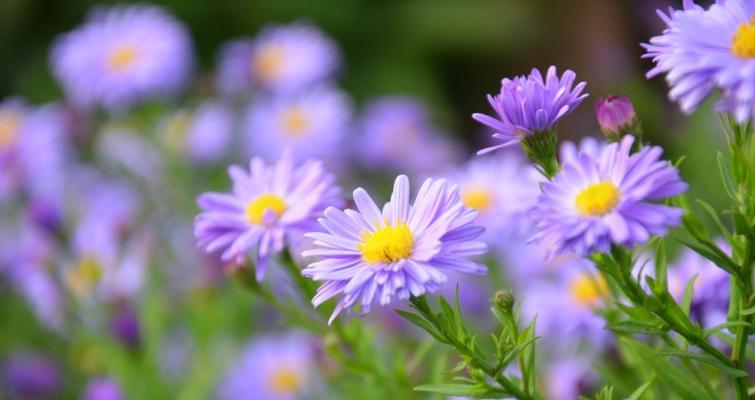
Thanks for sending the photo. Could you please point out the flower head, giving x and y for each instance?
(405, 249)
(531, 104)
(706, 49)
(203, 134)
(121, 55)
(103, 389)
(283, 58)
(268, 204)
(615, 116)
(312, 123)
(274, 368)
(596, 201)
(394, 130)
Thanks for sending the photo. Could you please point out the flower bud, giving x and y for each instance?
(126, 328)
(616, 117)
(504, 300)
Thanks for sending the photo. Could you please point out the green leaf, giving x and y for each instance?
(708, 359)
(712, 213)
(712, 253)
(725, 325)
(688, 293)
(640, 390)
(422, 324)
(636, 327)
(460, 389)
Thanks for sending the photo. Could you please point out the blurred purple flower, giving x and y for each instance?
(312, 124)
(125, 327)
(530, 104)
(268, 204)
(122, 55)
(396, 129)
(568, 152)
(280, 367)
(405, 249)
(31, 377)
(569, 379)
(594, 202)
(203, 135)
(283, 58)
(103, 389)
(702, 50)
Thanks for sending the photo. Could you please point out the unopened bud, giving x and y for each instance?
(616, 117)
(504, 300)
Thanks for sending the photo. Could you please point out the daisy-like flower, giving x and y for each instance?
(203, 135)
(273, 368)
(311, 123)
(394, 130)
(596, 201)
(706, 49)
(502, 189)
(531, 104)
(283, 58)
(405, 249)
(122, 55)
(269, 205)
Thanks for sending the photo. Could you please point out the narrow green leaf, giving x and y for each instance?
(640, 390)
(636, 327)
(460, 389)
(422, 324)
(688, 293)
(708, 359)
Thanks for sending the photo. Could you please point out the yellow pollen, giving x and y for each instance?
(478, 198)
(743, 44)
(597, 199)
(387, 244)
(9, 123)
(266, 65)
(294, 122)
(84, 275)
(121, 58)
(256, 209)
(588, 290)
(284, 381)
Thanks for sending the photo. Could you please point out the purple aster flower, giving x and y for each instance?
(203, 135)
(312, 124)
(569, 379)
(530, 104)
(394, 130)
(28, 376)
(596, 201)
(405, 249)
(502, 189)
(103, 389)
(283, 58)
(268, 206)
(567, 310)
(702, 50)
(121, 55)
(710, 300)
(569, 151)
(281, 367)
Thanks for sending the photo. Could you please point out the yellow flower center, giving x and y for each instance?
(588, 290)
(478, 198)
(743, 44)
(597, 199)
(9, 123)
(294, 122)
(266, 65)
(387, 244)
(256, 209)
(121, 58)
(284, 381)
(84, 275)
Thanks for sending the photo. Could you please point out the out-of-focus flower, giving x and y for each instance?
(122, 55)
(121, 147)
(28, 376)
(394, 130)
(33, 151)
(525, 263)
(703, 50)
(272, 368)
(502, 189)
(566, 310)
(569, 379)
(405, 249)
(531, 104)
(283, 58)
(103, 389)
(126, 328)
(268, 205)
(710, 300)
(594, 202)
(569, 151)
(616, 116)
(202, 135)
(312, 124)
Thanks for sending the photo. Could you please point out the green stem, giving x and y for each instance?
(742, 334)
